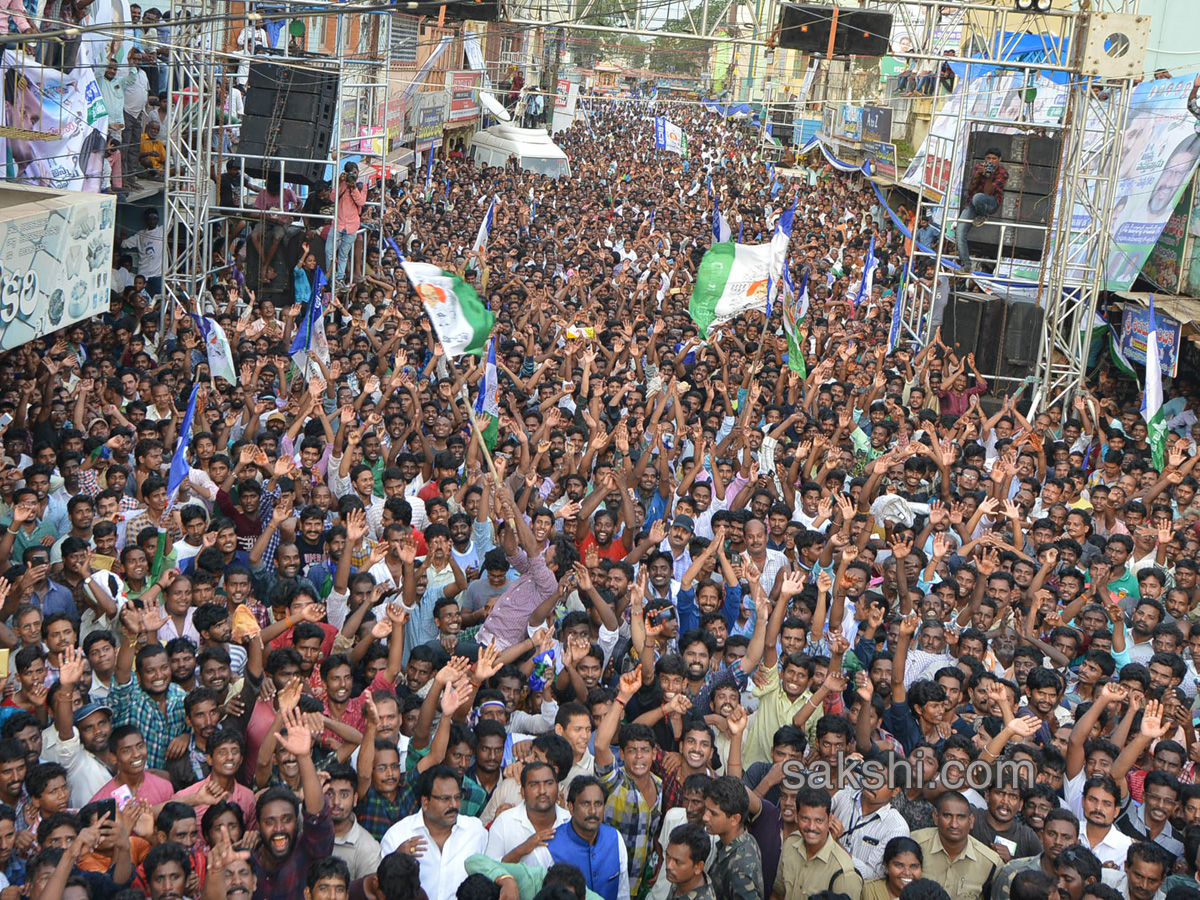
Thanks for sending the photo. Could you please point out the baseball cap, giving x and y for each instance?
(88, 708)
(684, 522)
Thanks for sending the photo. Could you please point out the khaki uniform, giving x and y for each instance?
(831, 869)
(969, 877)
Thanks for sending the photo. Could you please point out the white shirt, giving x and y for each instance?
(442, 871)
(85, 774)
(512, 828)
(1112, 848)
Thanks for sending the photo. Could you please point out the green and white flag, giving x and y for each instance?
(459, 317)
(731, 281)
(1152, 397)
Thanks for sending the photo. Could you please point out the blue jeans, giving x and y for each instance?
(980, 205)
(342, 245)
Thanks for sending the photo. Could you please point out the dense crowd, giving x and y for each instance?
(658, 639)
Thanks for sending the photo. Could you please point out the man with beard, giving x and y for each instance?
(351, 842)
(437, 835)
(520, 834)
(1101, 803)
(954, 859)
(201, 709)
(1059, 831)
(154, 704)
(286, 851)
(997, 826)
(587, 843)
(1045, 692)
(82, 746)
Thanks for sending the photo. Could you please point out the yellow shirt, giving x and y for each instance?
(774, 711)
(831, 869)
(969, 877)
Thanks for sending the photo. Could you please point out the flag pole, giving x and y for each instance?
(487, 455)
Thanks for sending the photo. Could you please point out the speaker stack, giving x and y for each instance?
(290, 115)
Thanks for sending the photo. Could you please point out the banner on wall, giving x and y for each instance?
(1158, 159)
(464, 97)
(1135, 326)
(1164, 266)
(429, 128)
(65, 106)
(55, 262)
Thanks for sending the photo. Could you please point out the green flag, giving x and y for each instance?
(459, 317)
(732, 280)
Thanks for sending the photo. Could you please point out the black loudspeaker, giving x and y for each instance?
(290, 115)
(476, 10)
(1032, 163)
(860, 32)
(1002, 334)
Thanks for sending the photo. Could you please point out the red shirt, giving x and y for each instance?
(615, 550)
(286, 639)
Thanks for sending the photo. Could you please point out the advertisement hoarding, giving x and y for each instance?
(1135, 325)
(463, 88)
(55, 261)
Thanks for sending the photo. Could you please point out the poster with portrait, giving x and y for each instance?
(1158, 159)
(66, 121)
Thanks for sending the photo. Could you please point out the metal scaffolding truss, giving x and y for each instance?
(194, 72)
(1069, 278)
(198, 139)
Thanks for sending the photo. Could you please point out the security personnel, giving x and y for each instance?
(954, 859)
(811, 860)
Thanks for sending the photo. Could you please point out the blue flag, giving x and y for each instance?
(741, 225)
(429, 177)
(868, 276)
(313, 319)
(179, 463)
(485, 228)
(894, 334)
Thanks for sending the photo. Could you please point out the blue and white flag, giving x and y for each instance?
(868, 276)
(311, 333)
(1152, 397)
(488, 400)
(897, 315)
(179, 463)
(485, 229)
(652, 221)
(779, 248)
(721, 230)
(216, 348)
(429, 177)
(669, 136)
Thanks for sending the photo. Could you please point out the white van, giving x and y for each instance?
(532, 147)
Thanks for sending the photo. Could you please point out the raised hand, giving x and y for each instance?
(295, 737)
(73, 664)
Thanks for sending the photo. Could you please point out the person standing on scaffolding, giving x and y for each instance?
(984, 194)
